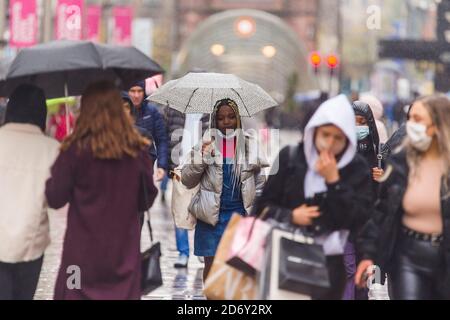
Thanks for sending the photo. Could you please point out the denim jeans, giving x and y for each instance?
(164, 183)
(182, 239)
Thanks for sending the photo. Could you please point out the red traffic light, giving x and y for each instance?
(332, 61)
(315, 59)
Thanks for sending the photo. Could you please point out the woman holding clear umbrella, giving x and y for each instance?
(229, 179)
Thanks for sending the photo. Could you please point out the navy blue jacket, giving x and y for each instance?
(149, 119)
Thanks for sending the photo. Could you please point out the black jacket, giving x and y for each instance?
(369, 147)
(346, 204)
(394, 142)
(379, 236)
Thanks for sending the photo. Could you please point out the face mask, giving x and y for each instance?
(362, 132)
(230, 134)
(417, 134)
(336, 149)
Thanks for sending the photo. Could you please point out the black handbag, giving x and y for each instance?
(151, 276)
(303, 268)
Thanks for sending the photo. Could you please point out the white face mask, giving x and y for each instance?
(229, 134)
(417, 134)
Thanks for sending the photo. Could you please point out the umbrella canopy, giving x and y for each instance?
(198, 92)
(58, 65)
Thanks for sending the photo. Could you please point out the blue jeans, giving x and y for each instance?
(182, 239)
(164, 183)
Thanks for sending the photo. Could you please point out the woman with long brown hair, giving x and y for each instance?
(408, 234)
(100, 172)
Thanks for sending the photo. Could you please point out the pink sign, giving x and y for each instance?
(123, 16)
(94, 13)
(69, 19)
(153, 83)
(23, 23)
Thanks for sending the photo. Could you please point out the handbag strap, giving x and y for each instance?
(147, 212)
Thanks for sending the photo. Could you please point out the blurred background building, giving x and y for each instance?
(265, 41)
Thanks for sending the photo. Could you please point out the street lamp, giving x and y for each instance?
(245, 27)
(269, 51)
(217, 49)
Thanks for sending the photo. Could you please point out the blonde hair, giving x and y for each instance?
(438, 106)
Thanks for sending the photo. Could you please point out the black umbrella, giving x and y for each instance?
(63, 68)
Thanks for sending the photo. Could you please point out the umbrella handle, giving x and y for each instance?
(66, 94)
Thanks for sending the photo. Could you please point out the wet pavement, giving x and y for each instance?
(179, 284)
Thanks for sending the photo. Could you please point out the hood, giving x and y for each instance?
(363, 109)
(336, 111)
(374, 104)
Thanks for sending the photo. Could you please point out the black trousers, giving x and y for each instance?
(18, 281)
(416, 271)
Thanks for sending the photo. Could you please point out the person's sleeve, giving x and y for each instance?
(367, 241)
(348, 205)
(59, 187)
(151, 188)
(193, 169)
(161, 141)
(270, 201)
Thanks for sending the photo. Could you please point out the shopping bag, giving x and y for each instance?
(268, 281)
(247, 248)
(302, 267)
(181, 198)
(223, 281)
(299, 265)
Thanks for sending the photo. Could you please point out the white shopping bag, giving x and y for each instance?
(181, 198)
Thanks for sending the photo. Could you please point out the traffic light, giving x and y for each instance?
(332, 61)
(315, 59)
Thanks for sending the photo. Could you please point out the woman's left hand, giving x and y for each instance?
(326, 166)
